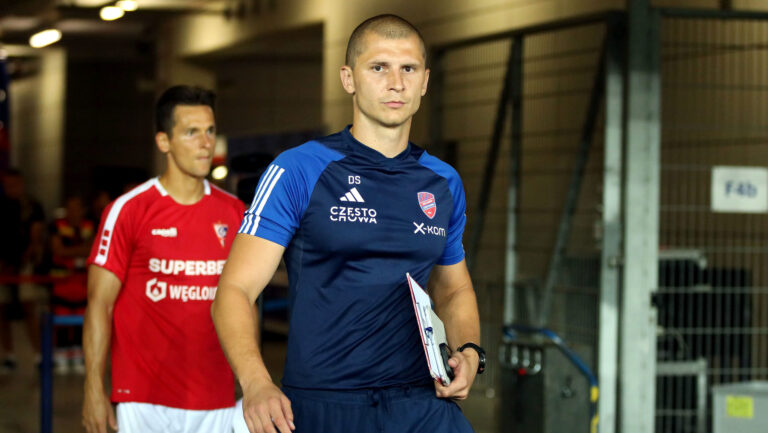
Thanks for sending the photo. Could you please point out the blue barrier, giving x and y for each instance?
(47, 322)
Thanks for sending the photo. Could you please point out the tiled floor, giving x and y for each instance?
(20, 395)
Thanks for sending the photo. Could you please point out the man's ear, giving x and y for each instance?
(426, 81)
(347, 80)
(163, 142)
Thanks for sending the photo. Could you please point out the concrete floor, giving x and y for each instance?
(20, 394)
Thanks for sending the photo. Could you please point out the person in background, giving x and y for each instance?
(153, 273)
(70, 237)
(22, 230)
(99, 202)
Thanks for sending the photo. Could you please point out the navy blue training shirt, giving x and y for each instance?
(353, 223)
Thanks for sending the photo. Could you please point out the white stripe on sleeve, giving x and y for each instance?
(253, 218)
(105, 240)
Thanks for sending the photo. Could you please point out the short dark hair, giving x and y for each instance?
(179, 95)
(388, 26)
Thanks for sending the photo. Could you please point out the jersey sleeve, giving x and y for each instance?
(280, 199)
(112, 245)
(454, 248)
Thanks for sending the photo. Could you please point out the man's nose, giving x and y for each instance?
(209, 140)
(396, 80)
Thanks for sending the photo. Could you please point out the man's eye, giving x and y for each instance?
(378, 68)
(408, 68)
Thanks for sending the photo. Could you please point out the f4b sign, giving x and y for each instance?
(739, 189)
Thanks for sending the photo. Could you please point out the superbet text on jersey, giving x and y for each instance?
(169, 258)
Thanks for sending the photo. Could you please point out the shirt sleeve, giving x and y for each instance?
(112, 246)
(454, 248)
(280, 199)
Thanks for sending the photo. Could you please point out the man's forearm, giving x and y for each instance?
(235, 321)
(459, 314)
(97, 333)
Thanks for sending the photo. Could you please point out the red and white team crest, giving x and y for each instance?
(221, 230)
(428, 204)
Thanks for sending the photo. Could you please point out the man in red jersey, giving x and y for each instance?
(154, 270)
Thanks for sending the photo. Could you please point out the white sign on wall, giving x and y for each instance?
(739, 189)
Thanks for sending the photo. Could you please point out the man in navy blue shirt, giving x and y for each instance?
(353, 212)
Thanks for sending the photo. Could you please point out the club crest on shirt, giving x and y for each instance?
(221, 230)
(428, 204)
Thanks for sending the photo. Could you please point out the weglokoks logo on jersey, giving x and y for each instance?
(428, 204)
(156, 290)
(221, 230)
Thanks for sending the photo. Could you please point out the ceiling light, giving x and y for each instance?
(111, 13)
(219, 172)
(127, 5)
(44, 38)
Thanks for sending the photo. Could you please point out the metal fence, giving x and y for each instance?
(521, 153)
(471, 80)
(712, 298)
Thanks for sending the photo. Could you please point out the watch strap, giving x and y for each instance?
(480, 353)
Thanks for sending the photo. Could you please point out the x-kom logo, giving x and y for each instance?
(156, 290)
(424, 229)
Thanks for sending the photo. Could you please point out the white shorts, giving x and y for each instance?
(154, 418)
(238, 419)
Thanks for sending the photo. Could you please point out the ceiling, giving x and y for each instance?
(77, 19)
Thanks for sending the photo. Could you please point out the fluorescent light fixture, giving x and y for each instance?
(127, 5)
(219, 172)
(111, 13)
(44, 38)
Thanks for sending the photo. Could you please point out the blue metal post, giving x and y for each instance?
(46, 377)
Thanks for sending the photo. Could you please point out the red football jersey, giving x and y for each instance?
(169, 257)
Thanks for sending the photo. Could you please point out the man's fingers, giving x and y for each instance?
(288, 411)
(278, 417)
(457, 389)
(252, 426)
(251, 420)
(99, 426)
(453, 362)
(95, 426)
(265, 419)
(111, 418)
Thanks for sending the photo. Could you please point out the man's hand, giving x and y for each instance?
(464, 365)
(266, 407)
(98, 413)
(103, 288)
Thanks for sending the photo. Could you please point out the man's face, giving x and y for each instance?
(190, 147)
(388, 80)
(75, 210)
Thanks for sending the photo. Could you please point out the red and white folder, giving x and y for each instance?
(432, 333)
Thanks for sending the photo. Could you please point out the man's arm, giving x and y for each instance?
(456, 305)
(103, 288)
(251, 264)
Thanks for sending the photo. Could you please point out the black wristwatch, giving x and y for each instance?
(480, 355)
